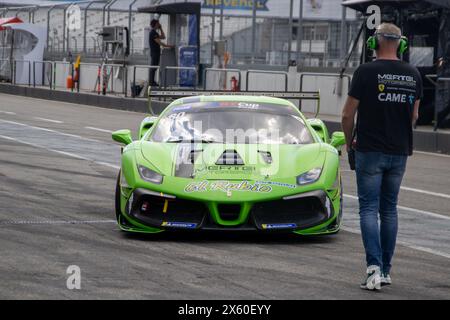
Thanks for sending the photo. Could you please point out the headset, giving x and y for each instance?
(373, 44)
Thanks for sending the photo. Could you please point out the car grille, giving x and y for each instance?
(304, 211)
(155, 210)
(301, 213)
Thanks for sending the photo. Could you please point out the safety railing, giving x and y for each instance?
(14, 65)
(205, 73)
(147, 67)
(328, 75)
(55, 77)
(8, 61)
(84, 65)
(112, 66)
(55, 65)
(194, 69)
(436, 83)
(50, 74)
(283, 73)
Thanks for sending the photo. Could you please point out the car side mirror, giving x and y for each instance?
(320, 128)
(122, 136)
(146, 124)
(337, 139)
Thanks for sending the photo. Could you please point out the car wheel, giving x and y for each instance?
(117, 198)
(341, 207)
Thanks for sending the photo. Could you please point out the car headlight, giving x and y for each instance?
(150, 175)
(309, 177)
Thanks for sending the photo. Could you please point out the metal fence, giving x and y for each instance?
(252, 38)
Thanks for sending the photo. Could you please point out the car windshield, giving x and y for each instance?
(232, 122)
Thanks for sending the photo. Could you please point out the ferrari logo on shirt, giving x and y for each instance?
(381, 87)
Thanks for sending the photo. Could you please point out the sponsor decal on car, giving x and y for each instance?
(227, 186)
(229, 169)
(279, 184)
(247, 105)
(181, 108)
(187, 225)
(279, 226)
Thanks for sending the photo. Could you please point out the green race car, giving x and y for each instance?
(230, 163)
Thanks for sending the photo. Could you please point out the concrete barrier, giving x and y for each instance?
(92, 99)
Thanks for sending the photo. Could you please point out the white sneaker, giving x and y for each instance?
(373, 280)
(386, 279)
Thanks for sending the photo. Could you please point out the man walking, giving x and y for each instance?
(156, 35)
(386, 95)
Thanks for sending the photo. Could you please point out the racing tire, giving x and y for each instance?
(117, 199)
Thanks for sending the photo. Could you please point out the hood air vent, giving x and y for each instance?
(230, 157)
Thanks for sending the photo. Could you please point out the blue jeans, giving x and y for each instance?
(379, 177)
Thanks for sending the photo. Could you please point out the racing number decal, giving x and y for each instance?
(175, 116)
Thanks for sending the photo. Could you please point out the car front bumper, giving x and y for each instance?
(148, 211)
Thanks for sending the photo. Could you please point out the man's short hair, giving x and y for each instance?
(386, 28)
(153, 23)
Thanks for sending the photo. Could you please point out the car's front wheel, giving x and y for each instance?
(117, 198)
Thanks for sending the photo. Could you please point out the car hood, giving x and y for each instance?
(214, 161)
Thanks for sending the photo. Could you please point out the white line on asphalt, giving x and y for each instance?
(73, 155)
(8, 112)
(107, 164)
(54, 131)
(48, 120)
(433, 154)
(57, 104)
(406, 244)
(28, 222)
(427, 213)
(436, 194)
(430, 193)
(98, 129)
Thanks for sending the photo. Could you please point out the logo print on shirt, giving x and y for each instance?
(411, 98)
(381, 87)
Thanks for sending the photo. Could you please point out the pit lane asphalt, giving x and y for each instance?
(56, 210)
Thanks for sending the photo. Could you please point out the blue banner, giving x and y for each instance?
(261, 5)
(187, 57)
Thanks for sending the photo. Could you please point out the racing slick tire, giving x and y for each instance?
(117, 198)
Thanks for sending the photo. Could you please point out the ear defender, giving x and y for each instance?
(403, 46)
(372, 42)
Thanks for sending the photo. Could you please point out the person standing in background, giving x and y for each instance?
(155, 41)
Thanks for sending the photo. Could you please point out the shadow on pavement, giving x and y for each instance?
(231, 237)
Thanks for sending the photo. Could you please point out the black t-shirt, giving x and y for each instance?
(155, 49)
(387, 91)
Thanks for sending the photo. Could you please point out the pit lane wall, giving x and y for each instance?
(333, 90)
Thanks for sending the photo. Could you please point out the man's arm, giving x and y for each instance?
(416, 111)
(162, 44)
(162, 35)
(348, 119)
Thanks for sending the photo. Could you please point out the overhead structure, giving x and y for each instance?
(426, 24)
(361, 5)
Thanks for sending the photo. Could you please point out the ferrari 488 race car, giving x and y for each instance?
(247, 163)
